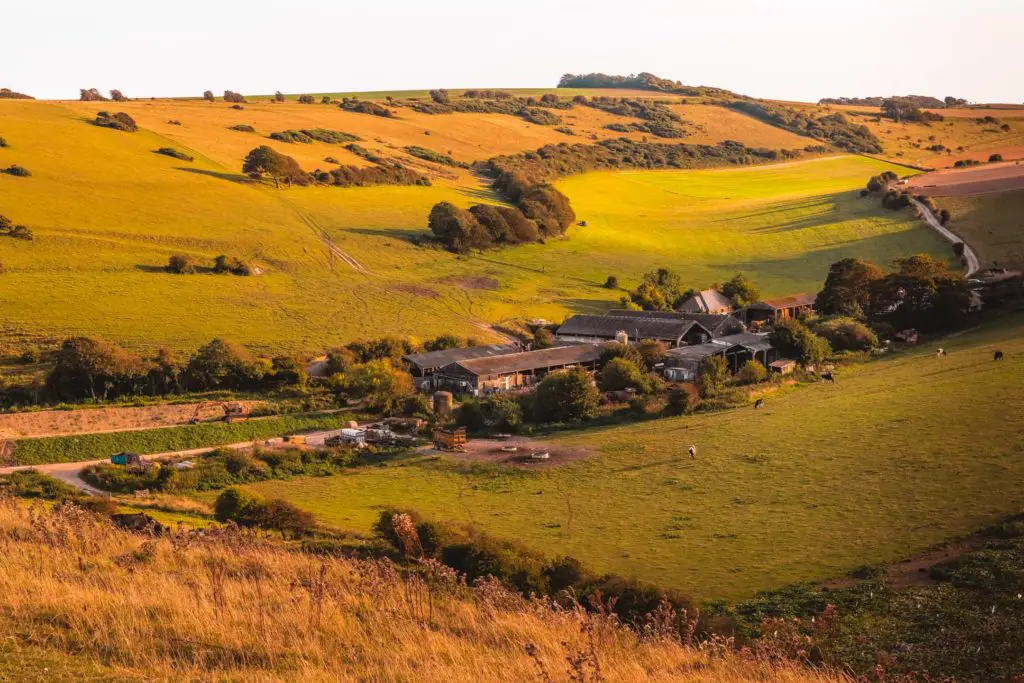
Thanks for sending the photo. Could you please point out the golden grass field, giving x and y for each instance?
(81, 601)
(993, 224)
(108, 212)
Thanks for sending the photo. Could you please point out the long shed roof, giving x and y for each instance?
(439, 359)
(716, 323)
(532, 360)
(606, 326)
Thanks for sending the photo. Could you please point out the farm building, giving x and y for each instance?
(511, 371)
(707, 301)
(783, 366)
(424, 365)
(771, 310)
(737, 349)
(597, 329)
(718, 324)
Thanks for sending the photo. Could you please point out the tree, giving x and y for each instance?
(613, 350)
(307, 99)
(659, 290)
(288, 370)
(230, 96)
(118, 96)
(266, 161)
(611, 283)
(286, 518)
(238, 506)
(279, 96)
(457, 228)
(543, 338)
(440, 95)
(88, 367)
(223, 365)
(208, 95)
(378, 382)
(847, 334)
(711, 375)
(741, 290)
(752, 372)
(653, 352)
(620, 374)
(849, 288)
(181, 264)
(994, 158)
(91, 95)
(567, 396)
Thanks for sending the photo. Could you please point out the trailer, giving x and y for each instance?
(126, 459)
(452, 440)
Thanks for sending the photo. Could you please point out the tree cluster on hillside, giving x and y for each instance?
(265, 161)
(531, 109)
(354, 104)
(513, 172)
(541, 211)
(8, 94)
(832, 128)
(9, 229)
(923, 101)
(306, 99)
(659, 120)
(118, 121)
(921, 292)
(640, 81)
(91, 95)
(234, 97)
(902, 109)
(117, 96)
(487, 94)
(92, 368)
(309, 135)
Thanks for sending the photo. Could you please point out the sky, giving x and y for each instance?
(780, 49)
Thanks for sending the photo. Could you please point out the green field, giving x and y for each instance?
(903, 452)
(107, 213)
(993, 224)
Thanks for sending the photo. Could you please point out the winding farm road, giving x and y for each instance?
(973, 265)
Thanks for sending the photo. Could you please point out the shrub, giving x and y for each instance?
(279, 96)
(208, 95)
(230, 96)
(87, 367)
(288, 370)
(794, 340)
(118, 96)
(994, 158)
(752, 372)
(307, 99)
(741, 290)
(440, 96)
(119, 121)
(230, 264)
(847, 334)
(181, 264)
(3, 142)
(171, 152)
(682, 399)
(436, 157)
(372, 108)
(619, 374)
(16, 170)
(238, 506)
(326, 99)
(243, 128)
(611, 283)
(308, 135)
(383, 387)
(711, 375)
(224, 365)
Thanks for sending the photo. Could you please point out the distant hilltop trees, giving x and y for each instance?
(8, 94)
(920, 101)
(640, 81)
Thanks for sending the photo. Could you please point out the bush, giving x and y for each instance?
(752, 372)
(307, 99)
(383, 387)
(682, 399)
(792, 338)
(19, 171)
(436, 157)
(171, 152)
(243, 128)
(238, 506)
(711, 375)
(119, 121)
(181, 264)
(224, 365)
(994, 158)
(91, 95)
(620, 374)
(611, 283)
(231, 264)
(308, 135)
(847, 334)
(118, 96)
(279, 96)
(741, 290)
(440, 96)
(3, 142)
(208, 95)
(230, 96)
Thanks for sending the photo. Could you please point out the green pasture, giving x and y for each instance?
(901, 453)
(108, 212)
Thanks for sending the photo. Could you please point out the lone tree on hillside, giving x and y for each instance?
(279, 96)
(440, 95)
(118, 96)
(267, 162)
(208, 95)
(91, 95)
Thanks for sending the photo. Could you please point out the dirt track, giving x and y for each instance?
(970, 181)
(492, 451)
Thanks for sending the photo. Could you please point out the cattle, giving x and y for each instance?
(998, 355)
(693, 452)
(940, 353)
(758, 403)
(828, 377)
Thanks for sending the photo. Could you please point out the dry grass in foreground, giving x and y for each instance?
(232, 606)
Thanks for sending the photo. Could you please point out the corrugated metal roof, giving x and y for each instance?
(790, 301)
(606, 326)
(714, 322)
(696, 352)
(748, 340)
(532, 360)
(439, 359)
(706, 301)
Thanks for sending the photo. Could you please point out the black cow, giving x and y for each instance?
(758, 403)
(828, 377)
(998, 355)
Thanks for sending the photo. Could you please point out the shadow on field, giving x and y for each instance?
(408, 234)
(485, 194)
(233, 177)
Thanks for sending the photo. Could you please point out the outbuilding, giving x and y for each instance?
(598, 329)
(513, 371)
(423, 366)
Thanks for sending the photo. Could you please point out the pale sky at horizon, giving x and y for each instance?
(786, 49)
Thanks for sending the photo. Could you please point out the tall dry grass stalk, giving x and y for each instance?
(229, 605)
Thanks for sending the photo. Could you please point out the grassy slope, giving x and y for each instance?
(993, 224)
(900, 454)
(108, 213)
